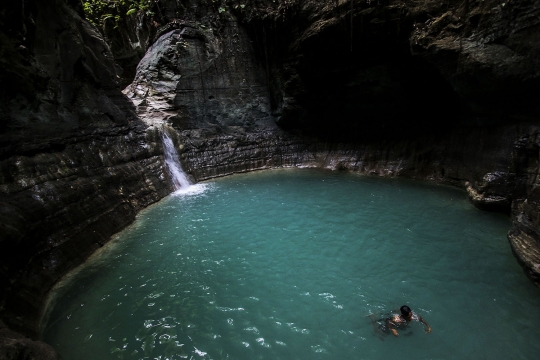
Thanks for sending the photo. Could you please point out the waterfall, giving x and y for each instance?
(179, 178)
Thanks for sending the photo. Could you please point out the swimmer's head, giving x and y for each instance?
(405, 310)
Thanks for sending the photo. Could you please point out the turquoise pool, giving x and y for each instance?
(288, 264)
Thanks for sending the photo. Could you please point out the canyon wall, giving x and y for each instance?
(76, 164)
(440, 90)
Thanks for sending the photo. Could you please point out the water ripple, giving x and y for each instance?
(291, 266)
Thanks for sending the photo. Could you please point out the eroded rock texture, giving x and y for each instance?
(16, 346)
(202, 75)
(441, 90)
(75, 162)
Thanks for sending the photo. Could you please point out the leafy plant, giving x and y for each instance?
(99, 11)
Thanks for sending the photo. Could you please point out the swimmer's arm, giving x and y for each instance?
(390, 325)
(428, 328)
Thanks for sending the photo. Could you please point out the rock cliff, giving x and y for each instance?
(441, 90)
(76, 164)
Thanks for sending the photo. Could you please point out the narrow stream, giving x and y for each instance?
(289, 264)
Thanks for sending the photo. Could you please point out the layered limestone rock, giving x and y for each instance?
(202, 79)
(76, 164)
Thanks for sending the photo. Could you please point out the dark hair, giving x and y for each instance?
(405, 310)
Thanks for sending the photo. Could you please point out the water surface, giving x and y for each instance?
(288, 265)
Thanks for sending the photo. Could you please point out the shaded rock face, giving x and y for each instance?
(399, 69)
(488, 52)
(16, 346)
(199, 77)
(129, 39)
(76, 164)
(440, 90)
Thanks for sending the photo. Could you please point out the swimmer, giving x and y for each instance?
(403, 319)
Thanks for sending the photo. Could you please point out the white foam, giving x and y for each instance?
(195, 189)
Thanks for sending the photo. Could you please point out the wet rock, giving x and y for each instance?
(76, 164)
(14, 346)
(525, 243)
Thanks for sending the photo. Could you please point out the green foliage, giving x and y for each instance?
(100, 11)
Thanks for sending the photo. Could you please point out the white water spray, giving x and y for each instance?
(179, 178)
